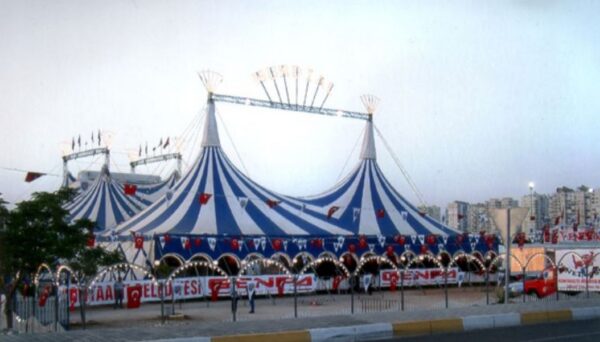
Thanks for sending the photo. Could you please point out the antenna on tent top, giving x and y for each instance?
(370, 102)
(210, 79)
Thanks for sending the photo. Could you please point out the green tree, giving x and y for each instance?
(37, 231)
(86, 265)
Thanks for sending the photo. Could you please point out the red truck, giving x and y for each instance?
(542, 285)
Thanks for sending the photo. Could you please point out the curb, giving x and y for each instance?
(409, 328)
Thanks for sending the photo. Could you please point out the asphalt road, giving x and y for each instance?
(580, 331)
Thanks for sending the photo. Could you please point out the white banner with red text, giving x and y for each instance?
(574, 265)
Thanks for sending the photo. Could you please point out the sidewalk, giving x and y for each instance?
(328, 327)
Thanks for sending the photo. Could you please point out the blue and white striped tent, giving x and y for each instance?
(105, 203)
(215, 210)
(152, 192)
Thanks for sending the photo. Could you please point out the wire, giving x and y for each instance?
(233, 144)
(339, 178)
(409, 180)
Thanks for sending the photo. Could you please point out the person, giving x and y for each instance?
(367, 283)
(251, 294)
(118, 287)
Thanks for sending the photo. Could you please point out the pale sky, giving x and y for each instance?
(477, 97)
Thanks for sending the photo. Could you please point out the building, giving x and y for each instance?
(457, 215)
(478, 219)
(539, 214)
(432, 211)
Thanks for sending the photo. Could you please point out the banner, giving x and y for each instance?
(102, 293)
(574, 265)
(430, 276)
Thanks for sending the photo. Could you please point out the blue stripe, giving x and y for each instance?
(331, 197)
(175, 202)
(226, 224)
(347, 217)
(412, 222)
(386, 226)
(187, 223)
(261, 220)
(447, 230)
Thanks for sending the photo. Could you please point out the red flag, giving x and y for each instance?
(197, 242)
(431, 239)
(380, 213)
(204, 198)
(277, 244)
(91, 240)
(272, 203)
(139, 241)
(461, 216)
(532, 218)
(130, 189)
(134, 296)
(31, 176)
(362, 242)
(331, 210)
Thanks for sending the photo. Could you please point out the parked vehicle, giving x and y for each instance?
(542, 284)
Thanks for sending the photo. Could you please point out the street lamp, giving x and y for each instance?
(160, 291)
(532, 218)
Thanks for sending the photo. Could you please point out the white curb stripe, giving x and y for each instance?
(585, 313)
(356, 331)
(478, 322)
(507, 320)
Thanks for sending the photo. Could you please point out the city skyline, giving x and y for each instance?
(476, 103)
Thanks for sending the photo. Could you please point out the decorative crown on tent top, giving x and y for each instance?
(210, 79)
(370, 102)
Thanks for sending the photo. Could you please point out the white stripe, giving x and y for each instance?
(368, 221)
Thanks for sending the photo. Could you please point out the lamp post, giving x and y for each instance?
(532, 216)
(160, 292)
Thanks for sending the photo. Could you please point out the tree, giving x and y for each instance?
(37, 231)
(85, 265)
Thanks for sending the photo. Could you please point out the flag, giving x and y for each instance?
(380, 213)
(422, 213)
(91, 240)
(185, 242)
(140, 152)
(204, 197)
(332, 210)
(129, 189)
(134, 296)
(355, 214)
(272, 203)
(31, 176)
(99, 138)
(146, 148)
(160, 143)
(243, 202)
(166, 143)
(138, 241)
(79, 141)
(73, 144)
(461, 216)
(92, 137)
(557, 220)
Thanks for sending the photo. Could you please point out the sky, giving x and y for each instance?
(478, 98)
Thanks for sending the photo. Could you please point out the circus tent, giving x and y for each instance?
(216, 210)
(105, 203)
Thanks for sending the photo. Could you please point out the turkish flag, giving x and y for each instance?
(91, 240)
(31, 176)
(72, 298)
(362, 242)
(272, 203)
(134, 296)
(130, 189)
(431, 239)
(44, 296)
(331, 210)
(380, 213)
(204, 197)
(139, 241)
(277, 244)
